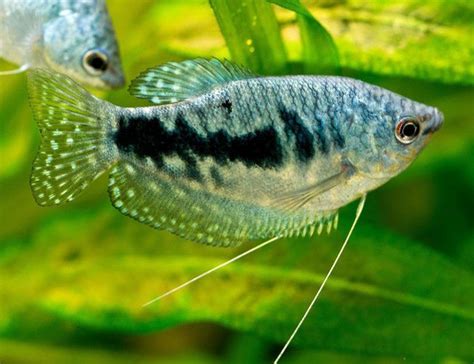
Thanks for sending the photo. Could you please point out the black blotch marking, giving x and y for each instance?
(216, 177)
(304, 140)
(322, 142)
(350, 121)
(147, 137)
(338, 140)
(227, 105)
(169, 170)
(192, 170)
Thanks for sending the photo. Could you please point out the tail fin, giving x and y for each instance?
(74, 126)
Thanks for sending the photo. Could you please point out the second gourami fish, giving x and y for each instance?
(226, 156)
(72, 37)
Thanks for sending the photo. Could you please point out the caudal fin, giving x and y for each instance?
(74, 126)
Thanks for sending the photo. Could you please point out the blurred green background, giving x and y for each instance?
(73, 278)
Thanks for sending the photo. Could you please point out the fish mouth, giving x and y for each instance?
(109, 83)
(113, 78)
(117, 80)
(437, 120)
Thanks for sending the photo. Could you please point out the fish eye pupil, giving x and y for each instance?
(407, 130)
(95, 62)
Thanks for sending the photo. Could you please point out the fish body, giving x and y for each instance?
(244, 158)
(72, 37)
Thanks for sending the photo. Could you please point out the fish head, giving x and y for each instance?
(390, 133)
(84, 47)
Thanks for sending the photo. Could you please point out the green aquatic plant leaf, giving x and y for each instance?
(411, 38)
(15, 125)
(12, 351)
(319, 52)
(294, 5)
(252, 34)
(388, 295)
(408, 38)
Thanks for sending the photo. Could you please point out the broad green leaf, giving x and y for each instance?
(412, 38)
(388, 296)
(252, 34)
(409, 38)
(320, 54)
(27, 352)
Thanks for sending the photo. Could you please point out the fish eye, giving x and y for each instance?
(95, 62)
(407, 130)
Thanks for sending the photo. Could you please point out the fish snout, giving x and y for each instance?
(115, 79)
(118, 82)
(434, 122)
(438, 119)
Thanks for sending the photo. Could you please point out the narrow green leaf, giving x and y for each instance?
(252, 34)
(320, 53)
(388, 295)
(294, 5)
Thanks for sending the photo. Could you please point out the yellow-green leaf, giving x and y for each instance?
(388, 295)
(430, 40)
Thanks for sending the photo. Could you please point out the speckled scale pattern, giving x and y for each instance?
(199, 215)
(216, 167)
(57, 34)
(242, 197)
(74, 149)
(326, 115)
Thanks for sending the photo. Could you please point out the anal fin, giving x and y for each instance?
(151, 200)
(191, 212)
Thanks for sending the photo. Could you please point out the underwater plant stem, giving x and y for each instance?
(356, 219)
(202, 275)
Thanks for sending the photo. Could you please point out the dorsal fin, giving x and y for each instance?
(174, 82)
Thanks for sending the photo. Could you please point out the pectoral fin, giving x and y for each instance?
(16, 71)
(294, 200)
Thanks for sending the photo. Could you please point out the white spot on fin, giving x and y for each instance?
(174, 82)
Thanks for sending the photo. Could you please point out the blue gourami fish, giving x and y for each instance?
(227, 156)
(74, 37)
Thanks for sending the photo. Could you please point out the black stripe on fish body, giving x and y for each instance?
(144, 137)
(322, 142)
(147, 137)
(260, 148)
(192, 168)
(294, 126)
(338, 140)
(216, 177)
